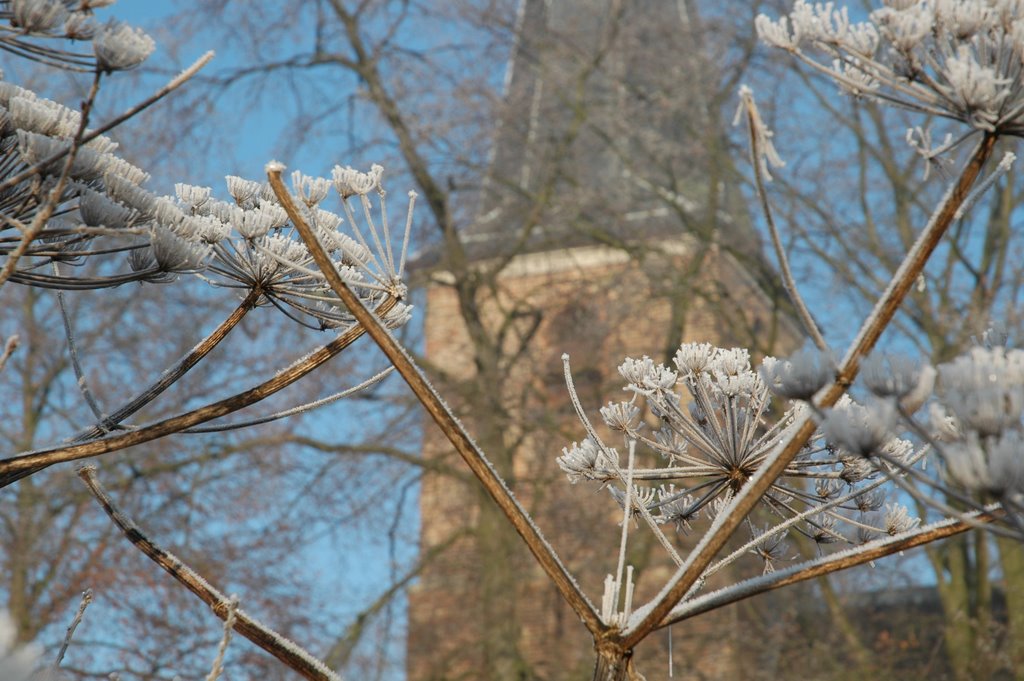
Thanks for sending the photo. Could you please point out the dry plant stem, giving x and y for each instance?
(45, 210)
(70, 633)
(9, 347)
(744, 590)
(444, 418)
(788, 282)
(87, 137)
(18, 467)
(284, 650)
(175, 373)
(732, 516)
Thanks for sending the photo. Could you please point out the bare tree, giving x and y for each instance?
(725, 465)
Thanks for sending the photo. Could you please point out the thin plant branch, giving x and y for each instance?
(300, 409)
(17, 467)
(294, 657)
(76, 363)
(9, 347)
(70, 633)
(173, 374)
(217, 668)
(835, 562)
(757, 131)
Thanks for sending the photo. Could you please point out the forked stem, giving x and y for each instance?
(442, 415)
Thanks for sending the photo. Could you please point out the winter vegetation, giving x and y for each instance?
(713, 455)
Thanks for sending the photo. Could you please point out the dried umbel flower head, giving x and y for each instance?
(248, 244)
(704, 454)
(957, 59)
(38, 16)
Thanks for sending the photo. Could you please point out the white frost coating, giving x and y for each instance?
(274, 167)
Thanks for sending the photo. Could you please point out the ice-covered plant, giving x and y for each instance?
(708, 461)
(957, 59)
(701, 446)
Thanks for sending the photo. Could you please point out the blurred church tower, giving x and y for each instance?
(611, 224)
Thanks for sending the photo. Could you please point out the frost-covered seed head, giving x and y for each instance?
(869, 501)
(119, 47)
(644, 374)
(770, 548)
(191, 195)
(174, 254)
(580, 461)
(97, 210)
(958, 59)
(38, 16)
(80, 26)
(887, 375)
(622, 416)
(243, 191)
(693, 358)
(898, 519)
(858, 429)
(350, 182)
(311, 190)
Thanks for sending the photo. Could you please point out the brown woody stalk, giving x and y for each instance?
(743, 590)
(297, 659)
(169, 377)
(23, 465)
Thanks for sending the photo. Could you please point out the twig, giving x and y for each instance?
(229, 626)
(757, 131)
(442, 415)
(170, 376)
(269, 640)
(76, 364)
(70, 633)
(300, 409)
(9, 347)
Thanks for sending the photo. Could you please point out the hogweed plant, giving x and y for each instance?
(708, 448)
